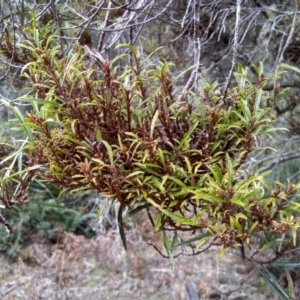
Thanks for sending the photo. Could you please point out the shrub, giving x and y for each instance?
(123, 132)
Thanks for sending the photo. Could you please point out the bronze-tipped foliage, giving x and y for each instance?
(122, 132)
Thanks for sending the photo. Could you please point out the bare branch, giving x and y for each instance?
(282, 159)
(197, 50)
(235, 47)
(288, 40)
(102, 34)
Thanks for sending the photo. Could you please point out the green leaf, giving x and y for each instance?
(270, 244)
(217, 173)
(20, 117)
(158, 222)
(109, 151)
(177, 181)
(138, 209)
(290, 283)
(134, 174)
(37, 38)
(237, 201)
(222, 252)
(181, 220)
(229, 170)
(287, 264)
(274, 284)
(153, 123)
(283, 65)
(121, 227)
(194, 239)
(131, 48)
(242, 249)
(202, 242)
(152, 53)
(253, 226)
(208, 197)
(169, 250)
(184, 141)
(174, 241)
(257, 101)
(101, 209)
(161, 156)
(150, 217)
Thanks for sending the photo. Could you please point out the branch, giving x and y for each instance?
(235, 47)
(290, 156)
(161, 254)
(140, 23)
(197, 50)
(288, 40)
(126, 6)
(102, 34)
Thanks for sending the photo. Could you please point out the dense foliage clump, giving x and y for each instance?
(124, 133)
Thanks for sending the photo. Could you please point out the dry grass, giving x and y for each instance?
(90, 269)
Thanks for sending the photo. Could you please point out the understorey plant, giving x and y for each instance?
(120, 128)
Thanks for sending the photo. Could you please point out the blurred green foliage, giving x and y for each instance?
(44, 215)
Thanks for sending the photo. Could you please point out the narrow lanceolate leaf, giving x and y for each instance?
(257, 101)
(290, 67)
(158, 222)
(229, 170)
(177, 181)
(275, 284)
(208, 197)
(269, 245)
(203, 240)
(181, 220)
(100, 210)
(121, 227)
(290, 283)
(194, 239)
(132, 49)
(237, 201)
(253, 226)
(184, 142)
(153, 123)
(174, 241)
(287, 264)
(242, 249)
(109, 151)
(169, 249)
(217, 172)
(138, 209)
(133, 174)
(241, 215)
(222, 252)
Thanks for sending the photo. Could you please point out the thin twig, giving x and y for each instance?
(164, 256)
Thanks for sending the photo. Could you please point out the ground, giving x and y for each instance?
(74, 267)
